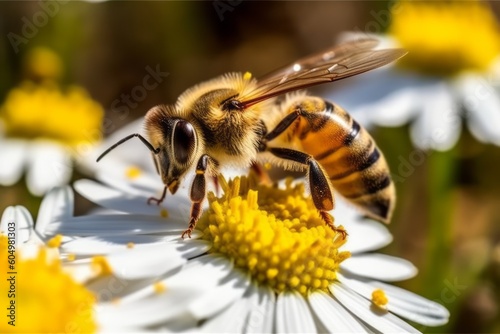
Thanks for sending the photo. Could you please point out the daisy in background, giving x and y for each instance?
(261, 260)
(451, 73)
(44, 128)
(39, 295)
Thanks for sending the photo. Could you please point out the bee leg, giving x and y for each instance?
(198, 190)
(158, 200)
(320, 189)
(283, 125)
(261, 173)
(215, 180)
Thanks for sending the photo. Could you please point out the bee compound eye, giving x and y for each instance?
(183, 141)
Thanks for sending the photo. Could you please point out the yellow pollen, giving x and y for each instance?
(274, 234)
(164, 213)
(159, 287)
(71, 257)
(44, 111)
(130, 245)
(101, 266)
(43, 63)
(247, 76)
(133, 172)
(45, 298)
(379, 298)
(446, 37)
(55, 241)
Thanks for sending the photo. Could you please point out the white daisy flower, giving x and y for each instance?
(450, 75)
(252, 265)
(35, 283)
(43, 129)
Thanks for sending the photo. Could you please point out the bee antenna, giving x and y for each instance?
(144, 141)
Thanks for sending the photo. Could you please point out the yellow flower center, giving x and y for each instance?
(44, 111)
(276, 235)
(38, 297)
(445, 38)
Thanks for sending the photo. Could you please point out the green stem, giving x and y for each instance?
(441, 173)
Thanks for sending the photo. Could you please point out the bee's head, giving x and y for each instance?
(176, 140)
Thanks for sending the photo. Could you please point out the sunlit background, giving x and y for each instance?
(75, 72)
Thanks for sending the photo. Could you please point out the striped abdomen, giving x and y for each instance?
(348, 154)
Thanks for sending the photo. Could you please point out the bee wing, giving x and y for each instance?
(335, 63)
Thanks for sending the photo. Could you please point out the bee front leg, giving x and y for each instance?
(320, 189)
(158, 200)
(198, 190)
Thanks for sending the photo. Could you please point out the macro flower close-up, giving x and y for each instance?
(261, 260)
(250, 166)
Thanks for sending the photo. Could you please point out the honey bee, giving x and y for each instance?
(240, 121)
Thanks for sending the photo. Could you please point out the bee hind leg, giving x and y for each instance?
(329, 222)
(320, 188)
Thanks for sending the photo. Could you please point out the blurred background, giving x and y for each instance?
(109, 48)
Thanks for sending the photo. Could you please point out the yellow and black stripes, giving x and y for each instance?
(349, 156)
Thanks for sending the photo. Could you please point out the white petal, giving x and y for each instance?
(108, 244)
(17, 224)
(121, 224)
(332, 315)
(113, 199)
(181, 324)
(230, 289)
(381, 321)
(120, 329)
(401, 302)
(346, 212)
(148, 261)
(253, 313)
(293, 315)
(212, 269)
(438, 126)
(234, 317)
(261, 317)
(379, 266)
(207, 270)
(414, 307)
(365, 236)
(482, 104)
(147, 308)
(57, 205)
(50, 166)
(13, 154)
(145, 184)
(146, 312)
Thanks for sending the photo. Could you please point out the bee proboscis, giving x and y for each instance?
(237, 120)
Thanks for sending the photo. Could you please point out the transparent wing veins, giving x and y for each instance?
(335, 63)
